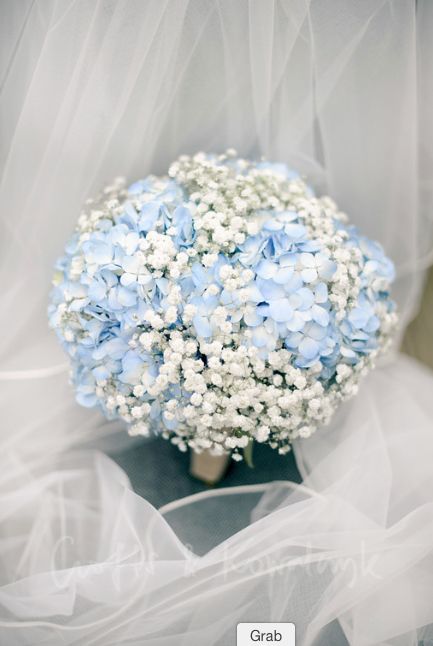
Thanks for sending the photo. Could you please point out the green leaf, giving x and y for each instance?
(248, 454)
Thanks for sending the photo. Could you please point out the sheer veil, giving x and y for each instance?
(342, 90)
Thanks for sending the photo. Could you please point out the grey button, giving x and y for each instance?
(259, 634)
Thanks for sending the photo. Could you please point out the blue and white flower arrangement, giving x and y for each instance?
(221, 304)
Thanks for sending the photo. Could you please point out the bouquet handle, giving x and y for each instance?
(207, 467)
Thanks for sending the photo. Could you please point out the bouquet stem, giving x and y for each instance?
(207, 467)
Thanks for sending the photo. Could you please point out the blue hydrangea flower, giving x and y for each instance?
(138, 267)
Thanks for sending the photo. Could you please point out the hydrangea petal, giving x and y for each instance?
(309, 275)
(327, 269)
(320, 315)
(260, 337)
(126, 297)
(316, 331)
(97, 291)
(292, 341)
(295, 231)
(296, 323)
(309, 348)
(98, 252)
(307, 260)
(148, 216)
(283, 275)
(359, 316)
(253, 318)
(273, 225)
(266, 269)
(202, 326)
(321, 293)
(280, 310)
(270, 290)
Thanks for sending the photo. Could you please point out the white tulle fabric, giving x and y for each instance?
(341, 89)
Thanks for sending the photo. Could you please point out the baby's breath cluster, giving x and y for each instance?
(221, 304)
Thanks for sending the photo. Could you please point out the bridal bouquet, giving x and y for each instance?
(221, 304)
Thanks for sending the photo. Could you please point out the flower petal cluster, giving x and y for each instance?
(220, 304)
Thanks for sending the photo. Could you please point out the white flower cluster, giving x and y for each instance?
(220, 305)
